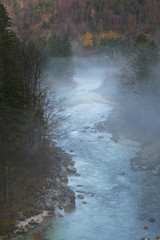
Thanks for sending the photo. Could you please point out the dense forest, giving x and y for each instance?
(123, 33)
(29, 119)
(78, 17)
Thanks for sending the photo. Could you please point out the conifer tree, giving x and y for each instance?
(66, 46)
(11, 101)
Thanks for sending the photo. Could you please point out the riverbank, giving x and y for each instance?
(53, 193)
(148, 156)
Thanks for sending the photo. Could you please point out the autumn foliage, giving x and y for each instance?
(79, 17)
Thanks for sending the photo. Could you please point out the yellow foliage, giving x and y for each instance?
(45, 18)
(21, 4)
(87, 40)
(92, 13)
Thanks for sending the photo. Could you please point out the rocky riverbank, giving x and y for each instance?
(148, 156)
(54, 193)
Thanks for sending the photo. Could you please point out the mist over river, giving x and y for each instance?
(117, 201)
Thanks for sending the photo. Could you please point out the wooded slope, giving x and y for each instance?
(77, 17)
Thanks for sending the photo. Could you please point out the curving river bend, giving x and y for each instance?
(117, 201)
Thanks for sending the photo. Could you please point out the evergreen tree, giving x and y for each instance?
(60, 47)
(66, 46)
(11, 101)
(55, 48)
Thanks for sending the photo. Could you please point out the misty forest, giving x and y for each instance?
(79, 120)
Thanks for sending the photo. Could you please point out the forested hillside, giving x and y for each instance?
(78, 17)
(29, 118)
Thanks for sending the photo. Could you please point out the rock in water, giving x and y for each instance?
(152, 220)
(146, 227)
(60, 215)
(80, 196)
(71, 169)
(86, 127)
(155, 172)
(71, 195)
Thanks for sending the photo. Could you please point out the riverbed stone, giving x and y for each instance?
(86, 127)
(77, 174)
(71, 169)
(93, 130)
(144, 168)
(122, 174)
(146, 227)
(100, 137)
(60, 215)
(152, 220)
(80, 196)
(155, 172)
(136, 168)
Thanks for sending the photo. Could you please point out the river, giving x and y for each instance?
(117, 201)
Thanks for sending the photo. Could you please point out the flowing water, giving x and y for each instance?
(117, 201)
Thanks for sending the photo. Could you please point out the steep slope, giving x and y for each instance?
(77, 17)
